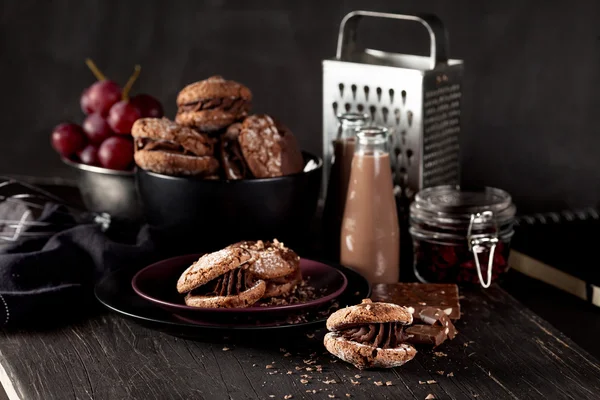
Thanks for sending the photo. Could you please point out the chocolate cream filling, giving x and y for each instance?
(386, 335)
(233, 105)
(234, 160)
(161, 145)
(231, 283)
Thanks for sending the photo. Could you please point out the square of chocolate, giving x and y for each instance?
(417, 296)
(426, 334)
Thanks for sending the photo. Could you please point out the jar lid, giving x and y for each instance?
(453, 204)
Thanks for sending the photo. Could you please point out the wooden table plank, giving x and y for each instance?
(503, 351)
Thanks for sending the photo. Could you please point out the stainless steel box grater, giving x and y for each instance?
(416, 97)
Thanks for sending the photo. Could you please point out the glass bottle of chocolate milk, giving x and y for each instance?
(370, 237)
(337, 187)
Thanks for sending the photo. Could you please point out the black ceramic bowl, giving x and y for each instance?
(107, 190)
(195, 215)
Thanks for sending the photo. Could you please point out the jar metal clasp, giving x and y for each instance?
(478, 243)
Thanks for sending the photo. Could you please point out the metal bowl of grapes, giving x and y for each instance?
(100, 149)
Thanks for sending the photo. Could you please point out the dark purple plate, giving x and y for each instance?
(114, 291)
(157, 282)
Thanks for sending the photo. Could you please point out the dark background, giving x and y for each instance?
(531, 98)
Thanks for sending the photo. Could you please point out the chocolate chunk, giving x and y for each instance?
(435, 316)
(426, 334)
(417, 296)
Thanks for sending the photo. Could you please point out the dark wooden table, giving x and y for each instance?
(503, 351)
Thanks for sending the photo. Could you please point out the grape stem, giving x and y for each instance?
(97, 73)
(131, 81)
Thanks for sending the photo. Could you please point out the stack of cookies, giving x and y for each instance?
(214, 137)
(240, 275)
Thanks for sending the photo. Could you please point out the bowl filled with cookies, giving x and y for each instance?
(218, 173)
(244, 280)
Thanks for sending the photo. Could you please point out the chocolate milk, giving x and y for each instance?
(370, 238)
(337, 188)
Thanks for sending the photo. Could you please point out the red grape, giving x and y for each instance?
(100, 97)
(89, 155)
(122, 115)
(149, 106)
(68, 139)
(116, 153)
(96, 128)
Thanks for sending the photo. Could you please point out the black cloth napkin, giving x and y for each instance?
(49, 279)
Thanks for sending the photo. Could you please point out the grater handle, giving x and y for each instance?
(437, 33)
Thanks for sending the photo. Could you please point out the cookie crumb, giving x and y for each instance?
(310, 335)
(378, 383)
(287, 354)
(431, 382)
(450, 374)
(254, 365)
(298, 368)
(388, 383)
(289, 372)
(304, 381)
(354, 382)
(357, 376)
(430, 397)
(421, 382)
(331, 396)
(281, 349)
(440, 372)
(330, 381)
(288, 396)
(269, 366)
(348, 395)
(226, 349)
(309, 369)
(271, 395)
(440, 354)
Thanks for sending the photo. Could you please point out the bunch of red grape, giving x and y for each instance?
(104, 139)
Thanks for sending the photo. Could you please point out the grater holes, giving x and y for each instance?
(397, 116)
(373, 110)
(353, 88)
(385, 112)
(409, 115)
(391, 92)
(403, 175)
(403, 94)
(397, 152)
(341, 87)
(334, 105)
(378, 91)
(347, 107)
(403, 136)
(366, 90)
(409, 154)
(360, 108)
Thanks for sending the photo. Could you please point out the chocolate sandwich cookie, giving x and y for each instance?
(233, 161)
(370, 335)
(221, 280)
(213, 104)
(269, 148)
(276, 264)
(165, 147)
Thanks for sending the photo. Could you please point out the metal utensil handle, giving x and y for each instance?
(437, 33)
